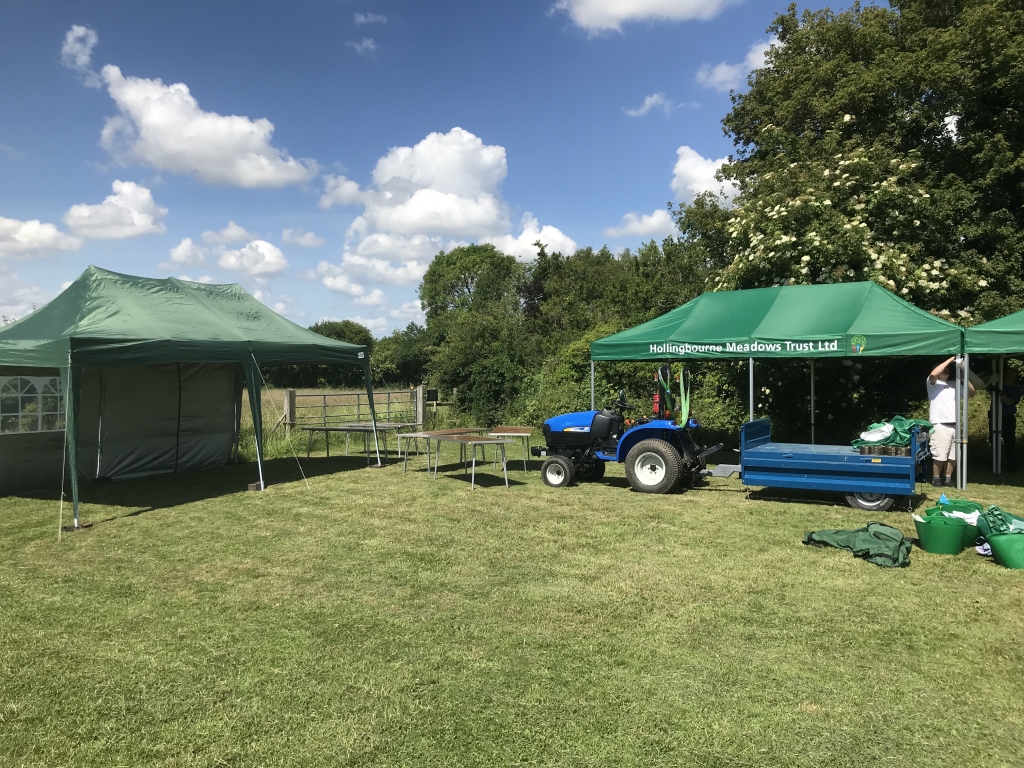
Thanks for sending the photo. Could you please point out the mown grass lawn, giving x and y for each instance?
(376, 619)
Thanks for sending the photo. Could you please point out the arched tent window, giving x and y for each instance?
(31, 404)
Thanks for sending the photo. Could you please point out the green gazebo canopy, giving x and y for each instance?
(105, 318)
(1004, 336)
(808, 321)
(192, 342)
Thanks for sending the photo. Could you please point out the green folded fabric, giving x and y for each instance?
(877, 543)
(900, 435)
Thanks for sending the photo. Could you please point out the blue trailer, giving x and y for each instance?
(869, 482)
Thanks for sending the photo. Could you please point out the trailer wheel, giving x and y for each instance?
(872, 502)
(558, 472)
(653, 466)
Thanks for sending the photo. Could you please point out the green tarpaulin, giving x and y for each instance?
(162, 363)
(1004, 336)
(838, 320)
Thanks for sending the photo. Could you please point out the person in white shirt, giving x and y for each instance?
(941, 384)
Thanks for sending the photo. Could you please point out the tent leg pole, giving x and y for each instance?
(812, 402)
(993, 423)
(751, 364)
(373, 410)
(591, 385)
(999, 434)
(967, 410)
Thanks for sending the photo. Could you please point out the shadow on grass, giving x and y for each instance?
(796, 496)
(145, 494)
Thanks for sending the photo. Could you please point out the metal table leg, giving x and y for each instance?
(504, 465)
(327, 439)
(472, 480)
(405, 464)
(526, 450)
(309, 443)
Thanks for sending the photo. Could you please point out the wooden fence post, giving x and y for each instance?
(289, 410)
(421, 404)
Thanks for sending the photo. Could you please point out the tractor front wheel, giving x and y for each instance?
(558, 472)
(653, 466)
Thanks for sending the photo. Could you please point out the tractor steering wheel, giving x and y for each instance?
(621, 403)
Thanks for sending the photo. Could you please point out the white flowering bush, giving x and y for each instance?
(851, 213)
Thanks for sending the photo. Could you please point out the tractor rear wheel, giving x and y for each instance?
(558, 472)
(591, 472)
(653, 466)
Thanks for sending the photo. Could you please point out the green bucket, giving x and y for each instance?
(1008, 549)
(941, 535)
(971, 532)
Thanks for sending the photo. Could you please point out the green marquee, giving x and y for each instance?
(804, 321)
(150, 376)
(1004, 336)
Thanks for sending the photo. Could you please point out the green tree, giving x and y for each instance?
(400, 359)
(886, 144)
(327, 376)
(467, 278)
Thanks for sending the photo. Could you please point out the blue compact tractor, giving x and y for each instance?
(659, 453)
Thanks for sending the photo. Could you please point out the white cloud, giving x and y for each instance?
(129, 212)
(654, 101)
(694, 174)
(446, 185)
(603, 15)
(340, 191)
(375, 270)
(691, 175)
(18, 299)
(232, 233)
(378, 326)
(380, 245)
(11, 153)
(25, 239)
(369, 18)
(162, 126)
(646, 225)
(204, 279)
(363, 47)
(301, 237)
(523, 247)
(726, 77)
(184, 254)
(410, 311)
(443, 192)
(442, 212)
(76, 54)
(256, 258)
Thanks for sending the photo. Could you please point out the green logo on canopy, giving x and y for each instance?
(857, 343)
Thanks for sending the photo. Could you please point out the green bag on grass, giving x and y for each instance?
(877, 543)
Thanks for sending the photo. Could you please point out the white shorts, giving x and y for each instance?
(943, 443)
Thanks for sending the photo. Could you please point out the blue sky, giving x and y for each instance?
(319, 152)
